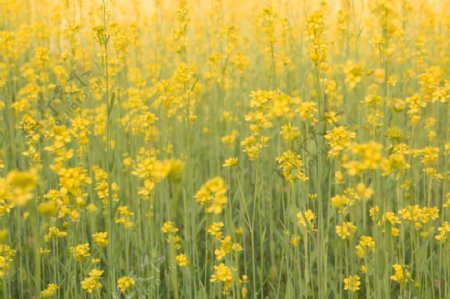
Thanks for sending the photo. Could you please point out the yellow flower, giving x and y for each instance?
(223, 274)
(54, 232)
(306, 219)
(447, 148)
(443, 231)
(307, 110)
(363, 269)
(182, 260)
(401, 275)
(50, 291)
(340, 202)
(215, 230)
(360, 251)
(124, 283)
(291, 166)
(6, 258)
(91, 208)
(125, 217)
(370, 155)
(229, 162)
(339, 177)
(346, 230)
(212, 195)
(330, 117)
(419, 216)
(80, 252)
(169, 228)
(226, 246)
(244, 292)
(21, 186)
(363, 192)
(101, 239)
(353, 73)
(352, 283)
(367, 241)
(338, 138)
(315, 28)
(174, 169)
(92, 283)
(379, 75)
(230, 139)
(447, 203)
(294, 240)
(72, 179)
(289, 133)
(430, 155)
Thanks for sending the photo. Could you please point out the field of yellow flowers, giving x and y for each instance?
(224, 149)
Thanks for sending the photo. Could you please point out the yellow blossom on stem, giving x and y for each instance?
(222, 274)
(401, 275)
(50, 291)
(80, 252)
(182, 260)
(101, 239)
(346, 230)
(124, 283)
(352, 283)
(92, 282)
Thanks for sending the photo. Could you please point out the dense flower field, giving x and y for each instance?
(224, 149)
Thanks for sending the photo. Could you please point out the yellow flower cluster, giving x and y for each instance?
(306, 219)
(124, 283)
(92, 282)
(291, 167)
(171, 231)
(18, 187)
(346, 230)
(321, 127)
(318, 50)
(352, 283)
(101, 239)
(50, 291)
(6, 258)
(212, 195)
(338, 138)
(401, 274)
(152, 171)
(365, 242)
(80, 252)
(125, 217)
